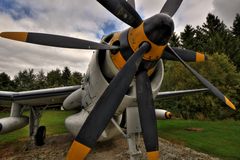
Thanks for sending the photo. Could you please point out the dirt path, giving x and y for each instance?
(56, 149)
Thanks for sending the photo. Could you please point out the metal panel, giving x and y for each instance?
(133, 121)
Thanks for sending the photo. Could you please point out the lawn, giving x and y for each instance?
(218, 138)
(53, 120)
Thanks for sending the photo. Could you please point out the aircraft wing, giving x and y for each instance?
(40, 97)
(170, 94)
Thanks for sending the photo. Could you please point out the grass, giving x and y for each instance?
(53, 120)
(218, 138)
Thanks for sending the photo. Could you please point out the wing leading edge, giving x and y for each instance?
(37, 97)
(170, 94)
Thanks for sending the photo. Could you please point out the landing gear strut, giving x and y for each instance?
(38, 134)
(131, 119)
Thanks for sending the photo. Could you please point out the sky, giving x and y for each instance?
(85, 19)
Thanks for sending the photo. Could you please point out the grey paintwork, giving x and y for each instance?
(10, 124)
(37, 97)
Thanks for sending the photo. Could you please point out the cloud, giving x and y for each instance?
(57, 17)
(226, 10)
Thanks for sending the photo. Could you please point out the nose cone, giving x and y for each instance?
(159, 28)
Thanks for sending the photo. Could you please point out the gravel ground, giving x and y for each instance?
(56, 149)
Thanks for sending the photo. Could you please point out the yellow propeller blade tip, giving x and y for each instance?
(18, 36)
(200, 57)
(154, 155)
(230, 104)
(78, 151)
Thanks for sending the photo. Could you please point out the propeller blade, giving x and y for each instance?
(55, 40)
(147, 115)
(185, 54)
(171, 7)
(105, 107)
(205, 82)
(123, 10)
(132, 3)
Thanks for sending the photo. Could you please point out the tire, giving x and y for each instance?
(40, 136)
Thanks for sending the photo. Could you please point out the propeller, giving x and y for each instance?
(132, 3)
(122, 10)
(55, 40)
(204, 81)
(106, 107)
(147, 115)
(171, 7)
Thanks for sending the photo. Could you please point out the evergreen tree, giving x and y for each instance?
(5, 82)
(66, 74)
(41, 80)
(236, 26)
(215, 35)
(54, 78)
(25, 80)
(187, 37)
(213, 25)
(175, 40)
(199, 40)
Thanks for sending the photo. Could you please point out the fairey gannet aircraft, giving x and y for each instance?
(122, 80)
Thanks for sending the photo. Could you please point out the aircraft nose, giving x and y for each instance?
(159, 28)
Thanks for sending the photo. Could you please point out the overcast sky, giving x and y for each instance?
(85, 19)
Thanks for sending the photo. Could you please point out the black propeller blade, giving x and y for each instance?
(132, 3)
(55, 40)
(122, 10)
(185, 54)
(171, 7)
(106, 107)
(147, 115)
(204, 81)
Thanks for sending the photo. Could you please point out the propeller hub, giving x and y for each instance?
(159, 28)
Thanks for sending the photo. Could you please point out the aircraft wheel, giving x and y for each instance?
(40, 136)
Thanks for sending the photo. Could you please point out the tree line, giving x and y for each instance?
(29, 80)
(222, 46)
(212, 37)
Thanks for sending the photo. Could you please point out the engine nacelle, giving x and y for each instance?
(74, 100)
(75, 122)
(163, 114)
(10, 124)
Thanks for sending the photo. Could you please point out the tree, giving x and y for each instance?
(219, 70)
(66, 74)
(54, 78)
(199, 40)
(236, 26)
(175, 40)
(41, 80)
(76, 78)
(25, 80)
(187, 37)
(5, 82)
(215, 34)
(234, 43)
(213, 25)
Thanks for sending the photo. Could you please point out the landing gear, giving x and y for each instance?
(130, 119)
(133, 132)
(40, 136)
(37, 134)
